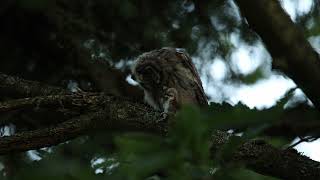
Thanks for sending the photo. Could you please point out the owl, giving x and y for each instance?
(169, 79)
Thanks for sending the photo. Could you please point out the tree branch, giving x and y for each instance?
(289, 124)
(63, 101)
(15, 87)
(106, 112)
(292, 128)
(301, 120)
(284, 164)
(268, 160)
(116, 113)
(290, 50)
(47, 137)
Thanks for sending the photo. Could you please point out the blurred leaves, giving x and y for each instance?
(35, 5)
(240, 174)
(76, 159)
(185, 152)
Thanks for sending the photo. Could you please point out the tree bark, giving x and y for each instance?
(15, 87)
(291, 52)
(270, 161)
(110, 113)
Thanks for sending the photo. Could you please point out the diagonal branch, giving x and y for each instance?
(47, 137)
(301, 121)
(290, 50)
(289, 124)
(15, 87)
(106, 112)
(268, 160)
(71, 100)
(116, 113)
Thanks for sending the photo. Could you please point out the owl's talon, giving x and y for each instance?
(164, 117)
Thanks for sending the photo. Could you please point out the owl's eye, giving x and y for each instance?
(147, 71)
(150, 74)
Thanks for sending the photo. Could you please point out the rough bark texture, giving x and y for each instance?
(108, 112)
(296, 122)
(48, 136)
(100, 111)
(284, 164)
(290, 50)
(16, 88)
(268, 160)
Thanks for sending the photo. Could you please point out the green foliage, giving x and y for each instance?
(56, 167)
(68, 161)
(240, 174)
(35, 5)
(185, 152)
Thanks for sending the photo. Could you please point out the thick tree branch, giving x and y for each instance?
(48, 136)
(268, 160)
(301, 120)
(62, 101)
(289, 124)
(293, 128)
(118, 114)
(284, 164)
(290, 50)
(106, 112)
(15, 87)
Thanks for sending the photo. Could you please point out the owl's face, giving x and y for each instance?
(147, 75)
(148, 71)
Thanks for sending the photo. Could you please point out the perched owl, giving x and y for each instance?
(169, 79)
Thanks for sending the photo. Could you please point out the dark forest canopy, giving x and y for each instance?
(69, 110)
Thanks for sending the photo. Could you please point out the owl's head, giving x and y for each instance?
(146, 73)
(168, 68)
(150, 68)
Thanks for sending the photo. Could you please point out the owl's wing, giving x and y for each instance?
(186, 60)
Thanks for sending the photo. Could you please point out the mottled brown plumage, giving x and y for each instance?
(169, 79)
